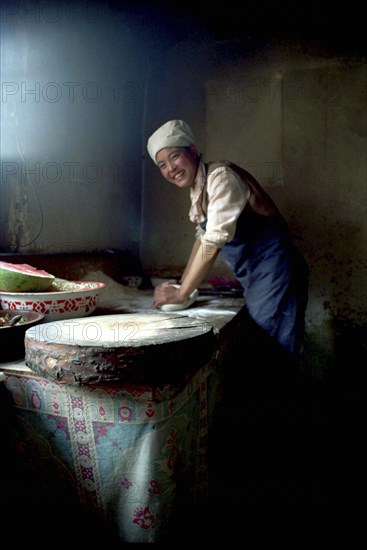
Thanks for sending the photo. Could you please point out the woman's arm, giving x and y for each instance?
(199, 267)
(201, 261)
(191, 259)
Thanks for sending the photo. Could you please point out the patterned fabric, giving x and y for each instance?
(130, 452)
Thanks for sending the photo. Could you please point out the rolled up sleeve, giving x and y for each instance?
(227, 197)
(199, 232)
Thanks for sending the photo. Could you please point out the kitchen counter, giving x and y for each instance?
(127, 461)
(218, 311)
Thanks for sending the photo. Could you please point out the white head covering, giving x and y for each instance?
(174, 133)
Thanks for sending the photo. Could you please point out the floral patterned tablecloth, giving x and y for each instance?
(135, 455)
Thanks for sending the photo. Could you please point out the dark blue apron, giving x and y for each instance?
(274, 277)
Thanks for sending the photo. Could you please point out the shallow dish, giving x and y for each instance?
(66, 300)
(12, 337)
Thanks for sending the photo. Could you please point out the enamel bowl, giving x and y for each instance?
(66, 300)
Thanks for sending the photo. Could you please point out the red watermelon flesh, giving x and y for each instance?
(23, 278)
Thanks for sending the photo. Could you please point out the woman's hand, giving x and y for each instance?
(167, 293)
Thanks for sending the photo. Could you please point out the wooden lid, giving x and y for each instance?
(124, 348)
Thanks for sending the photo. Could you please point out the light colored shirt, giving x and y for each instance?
(218, 199)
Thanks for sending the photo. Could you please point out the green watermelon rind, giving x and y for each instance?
(13, 279)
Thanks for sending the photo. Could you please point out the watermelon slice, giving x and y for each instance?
(23, 278)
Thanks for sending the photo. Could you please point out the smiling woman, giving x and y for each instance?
(236, 217)
(178, 165)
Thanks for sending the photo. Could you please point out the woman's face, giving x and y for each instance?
(178, 165)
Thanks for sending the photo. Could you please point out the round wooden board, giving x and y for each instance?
(123, 348)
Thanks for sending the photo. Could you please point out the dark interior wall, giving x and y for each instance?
(85, 83)
(289, 104)
(175, 91)
(71, 123)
